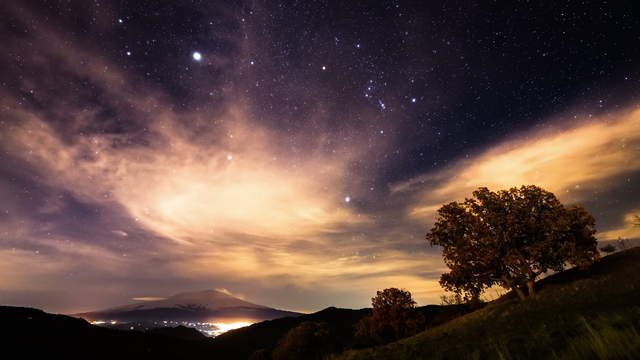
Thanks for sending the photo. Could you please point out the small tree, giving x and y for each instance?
(453, 299)
(309, 340)
(509, 238)
(393, 317)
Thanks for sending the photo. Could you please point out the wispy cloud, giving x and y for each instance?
(568, 161)
(628, 230)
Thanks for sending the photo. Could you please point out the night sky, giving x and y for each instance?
(294, 152)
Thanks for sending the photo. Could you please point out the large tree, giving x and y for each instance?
(509, 238)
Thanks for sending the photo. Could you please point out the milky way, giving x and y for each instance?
(294, 153)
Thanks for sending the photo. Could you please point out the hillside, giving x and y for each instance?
(264, 336)
(592, 314)
(33, 333)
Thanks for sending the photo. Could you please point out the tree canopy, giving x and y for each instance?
(393, 317)
(308, 340)
(509, 238)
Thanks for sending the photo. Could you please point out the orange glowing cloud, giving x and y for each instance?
(628, 230)
(566, 162)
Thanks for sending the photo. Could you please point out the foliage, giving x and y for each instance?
(453, 299)
(309, 340)
(393, 317)
(509, 238)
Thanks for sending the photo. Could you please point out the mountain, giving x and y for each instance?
(247, 342)
(198, 306)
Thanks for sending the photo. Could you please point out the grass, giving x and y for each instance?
(592, 314)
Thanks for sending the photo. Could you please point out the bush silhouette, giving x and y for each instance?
(309, 340)
(393, 317)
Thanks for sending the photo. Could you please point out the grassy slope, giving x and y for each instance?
(592, 314)
(241, 343)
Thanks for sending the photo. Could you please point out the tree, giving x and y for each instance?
(309, 340)
(509, 238)
(393, 317)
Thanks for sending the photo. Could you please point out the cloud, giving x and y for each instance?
(148, 298)
(629, 229)
(226, 291)
(570, 161)
(220, 197)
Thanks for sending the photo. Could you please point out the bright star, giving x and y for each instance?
(229, 157)
(197, 56)
(413, 100)
(120, 21)
(324, 67)
(347, 199)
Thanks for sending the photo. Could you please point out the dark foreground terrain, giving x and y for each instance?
(593, 314)
(33, 332)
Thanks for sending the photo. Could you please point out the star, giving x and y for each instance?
(347, 199)
(324, 67)
(120, 21)
(413, 100)
(229, 157)
(196, 56)
(128, 53)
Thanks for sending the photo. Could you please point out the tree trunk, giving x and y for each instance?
(514, 287)
(519, 292)
(530, 287)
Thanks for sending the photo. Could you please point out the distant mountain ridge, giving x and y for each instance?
(200, 306)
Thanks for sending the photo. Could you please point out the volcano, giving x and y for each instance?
(197, 306)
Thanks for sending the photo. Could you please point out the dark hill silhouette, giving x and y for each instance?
(34, 332)
(242, 343)
(31, 333)
(180, 332)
